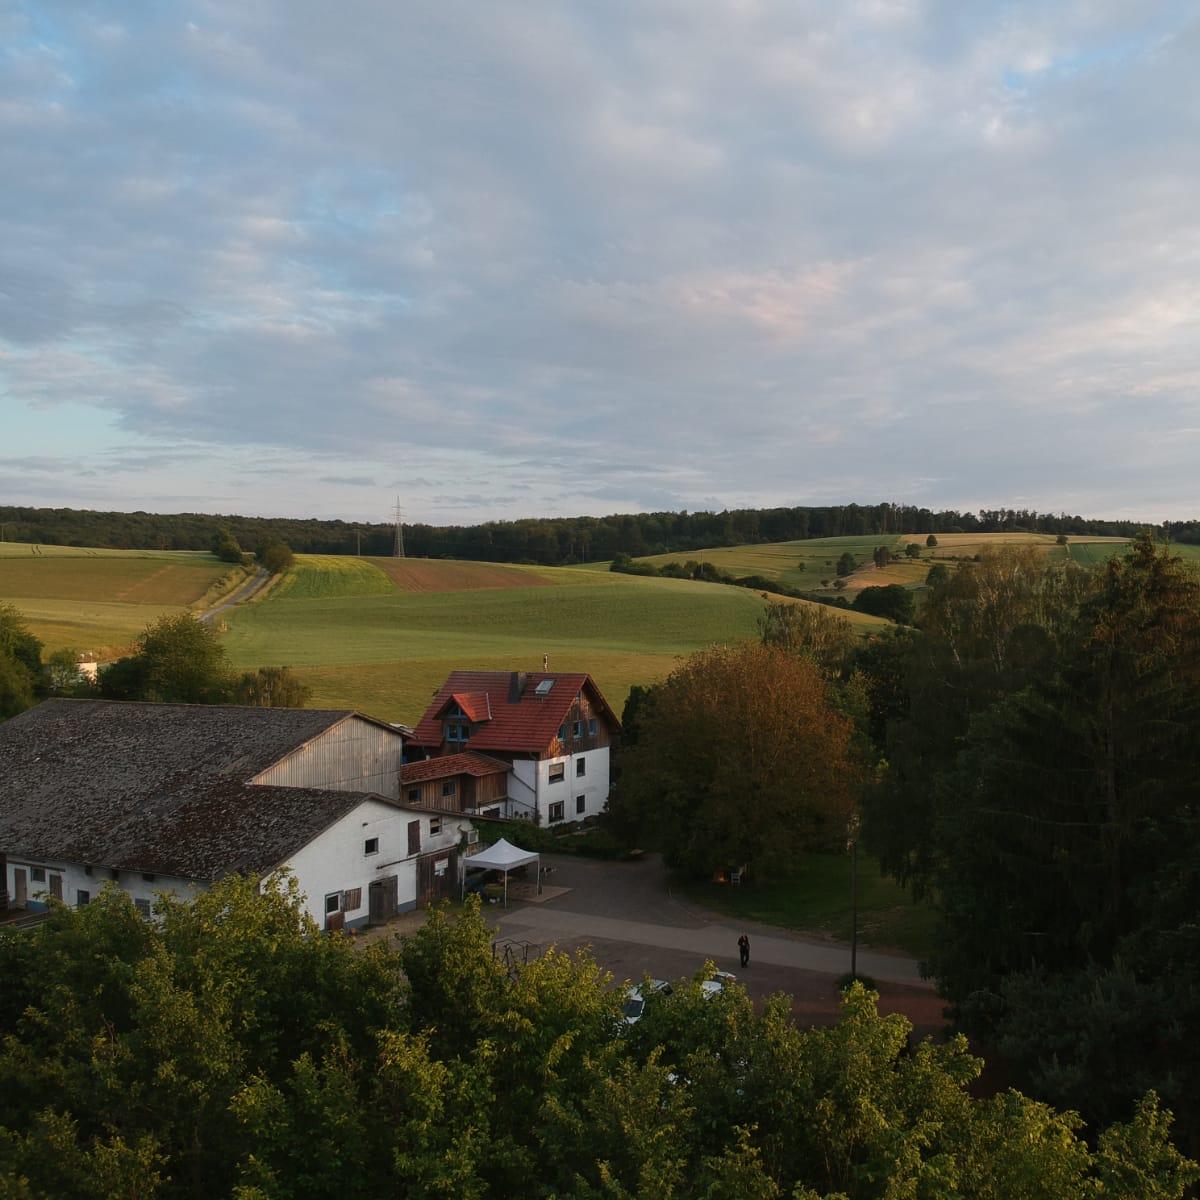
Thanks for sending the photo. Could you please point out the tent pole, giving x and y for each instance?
(506, 887)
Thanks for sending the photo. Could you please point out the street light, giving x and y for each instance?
(852, 827)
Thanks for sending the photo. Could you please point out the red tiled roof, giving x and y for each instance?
(475, 705)
(528, 724)
(465, 763)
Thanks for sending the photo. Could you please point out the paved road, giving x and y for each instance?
(629, 902)
(626, 916)
(239, 595)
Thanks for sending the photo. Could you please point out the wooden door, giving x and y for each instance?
(20, 887)
(56, 886)
(414, 837)
(382, 897)
(437, 877)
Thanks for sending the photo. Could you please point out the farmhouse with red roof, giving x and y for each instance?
(515, 744)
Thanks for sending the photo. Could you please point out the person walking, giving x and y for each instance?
(744, 950)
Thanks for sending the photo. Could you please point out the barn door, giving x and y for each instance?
(56, 886)
(437, 877)
(382, 898)
(20, 887)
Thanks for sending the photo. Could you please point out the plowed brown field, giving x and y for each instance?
(443, 575)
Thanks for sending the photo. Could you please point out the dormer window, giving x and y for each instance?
(457, 731)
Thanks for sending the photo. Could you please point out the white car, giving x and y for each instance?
(718, 983)
(635, 998)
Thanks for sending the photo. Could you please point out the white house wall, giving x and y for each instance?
(354, 756)
(336, 860)
(76, 879)
(592, 785)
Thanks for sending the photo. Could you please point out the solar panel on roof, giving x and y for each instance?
(543, 688)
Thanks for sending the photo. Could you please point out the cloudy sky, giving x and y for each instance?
(508, 259)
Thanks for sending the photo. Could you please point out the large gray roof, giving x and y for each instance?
(159, 787)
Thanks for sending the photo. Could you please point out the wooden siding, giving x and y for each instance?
(470, 793)
(354, 756)
(582, 710)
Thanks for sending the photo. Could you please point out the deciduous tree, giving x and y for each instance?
(742, 757)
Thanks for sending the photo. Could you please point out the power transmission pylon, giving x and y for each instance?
(398, 544)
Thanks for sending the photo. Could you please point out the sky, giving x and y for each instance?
(297, 258)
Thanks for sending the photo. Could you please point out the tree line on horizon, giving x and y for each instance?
(548, 541)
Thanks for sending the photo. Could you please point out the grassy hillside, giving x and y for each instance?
(381, 635)
(811, 565)
(97, 601)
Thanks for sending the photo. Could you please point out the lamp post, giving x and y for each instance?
(852, 827)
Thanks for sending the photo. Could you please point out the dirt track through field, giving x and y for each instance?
(440, 575)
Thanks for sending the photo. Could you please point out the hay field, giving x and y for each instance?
(97, 601)
(386, 652)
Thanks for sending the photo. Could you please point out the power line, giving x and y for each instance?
(398, 543)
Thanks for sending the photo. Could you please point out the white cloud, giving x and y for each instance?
(709, 251)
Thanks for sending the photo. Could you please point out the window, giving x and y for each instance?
(592, 727)
(414, 837)
(580, 767)
(544, 688)
(457, 731)
(414, 795)
(37, 874)
(558, 772)
(82, 897)
(580, 804)
(351, 899)
(333, 903)
(143, 908)
(562, 733)
(148, 878)
(371, 846)
(577, 729)
(556, 811)
(435, 826)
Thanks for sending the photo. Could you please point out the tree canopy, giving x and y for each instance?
(742, 756)
(229, 1050)
(1041, 791)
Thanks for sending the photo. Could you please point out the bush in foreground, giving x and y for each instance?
(231, 1050)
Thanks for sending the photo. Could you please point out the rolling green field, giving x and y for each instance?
(811, 565)
(97, 601)
(382, 634)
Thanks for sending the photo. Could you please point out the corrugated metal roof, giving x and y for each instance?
(528, 724)
(159, 787)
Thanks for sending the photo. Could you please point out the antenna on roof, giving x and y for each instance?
(545, 662)
(398, 544)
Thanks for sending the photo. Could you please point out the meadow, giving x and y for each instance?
(811, 565)
(382, 634)
(98, 601)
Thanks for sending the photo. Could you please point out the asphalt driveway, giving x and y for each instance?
(634, 926)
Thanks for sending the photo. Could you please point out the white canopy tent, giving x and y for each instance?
(503, 856)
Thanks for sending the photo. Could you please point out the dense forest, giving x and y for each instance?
(545, 540)
(224, 1050)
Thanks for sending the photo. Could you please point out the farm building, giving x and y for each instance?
(170, 797)
(552, 733)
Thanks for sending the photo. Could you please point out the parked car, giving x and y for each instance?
(718, 983)
(635, 998)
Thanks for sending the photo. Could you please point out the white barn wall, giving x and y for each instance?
(335, 861)
(76, 879)
(354, 756)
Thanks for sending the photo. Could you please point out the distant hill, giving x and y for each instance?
(547, 541)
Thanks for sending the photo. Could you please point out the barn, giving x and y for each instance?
(154, 798)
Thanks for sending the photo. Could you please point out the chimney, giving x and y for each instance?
(516, 686)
